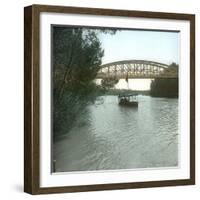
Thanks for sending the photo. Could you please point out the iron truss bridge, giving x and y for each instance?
(133, 69)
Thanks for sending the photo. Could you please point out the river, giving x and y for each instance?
(109, 137)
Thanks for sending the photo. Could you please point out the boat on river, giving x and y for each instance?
(129, 100)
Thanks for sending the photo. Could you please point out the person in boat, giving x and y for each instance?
(127, 100)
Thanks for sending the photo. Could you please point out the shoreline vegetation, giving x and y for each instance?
(77, 57)
(116, 92)
(167, 88)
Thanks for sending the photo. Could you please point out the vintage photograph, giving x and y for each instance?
(115, 98)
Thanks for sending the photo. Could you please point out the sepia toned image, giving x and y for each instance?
(115, 98)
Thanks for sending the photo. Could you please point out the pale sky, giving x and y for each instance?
(156, 46)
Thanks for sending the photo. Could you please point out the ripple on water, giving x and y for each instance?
(113, 137)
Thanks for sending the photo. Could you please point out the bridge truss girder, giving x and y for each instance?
(136, 69)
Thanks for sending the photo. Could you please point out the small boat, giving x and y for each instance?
(129, 100)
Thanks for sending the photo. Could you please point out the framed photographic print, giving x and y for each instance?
(109, 99)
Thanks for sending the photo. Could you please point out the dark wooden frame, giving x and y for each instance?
(32, 107)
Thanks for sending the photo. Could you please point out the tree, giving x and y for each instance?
(109, 82)
(165, 87)
(77, 55)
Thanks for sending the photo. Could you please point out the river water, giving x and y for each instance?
(109, 136)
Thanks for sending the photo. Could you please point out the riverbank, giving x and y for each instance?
(116, 92)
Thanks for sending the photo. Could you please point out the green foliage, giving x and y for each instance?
(109, 82)
(77, 55)
(165, 87)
